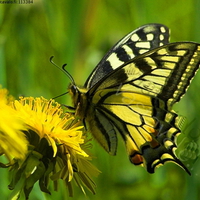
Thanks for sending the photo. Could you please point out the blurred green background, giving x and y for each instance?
(79, 33)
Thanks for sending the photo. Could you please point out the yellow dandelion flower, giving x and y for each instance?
(56, 149)
(13, 143)
(45, 118)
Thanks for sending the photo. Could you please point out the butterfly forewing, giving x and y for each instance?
(164, 72)
(137, 42)
(135, 100)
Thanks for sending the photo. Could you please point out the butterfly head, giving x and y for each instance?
(79, 99)
(74, 92)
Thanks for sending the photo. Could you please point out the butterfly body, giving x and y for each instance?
(132, 95)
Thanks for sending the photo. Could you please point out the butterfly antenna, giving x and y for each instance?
(63, 69)
(60, 95)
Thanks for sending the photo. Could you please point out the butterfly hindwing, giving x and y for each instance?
(137, 42)
(148, 132)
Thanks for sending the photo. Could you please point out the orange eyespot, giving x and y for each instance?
(136, 159)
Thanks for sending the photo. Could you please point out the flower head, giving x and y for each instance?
(56, 148)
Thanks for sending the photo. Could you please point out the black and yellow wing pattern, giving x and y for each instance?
(137, 42)
(134, 99)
